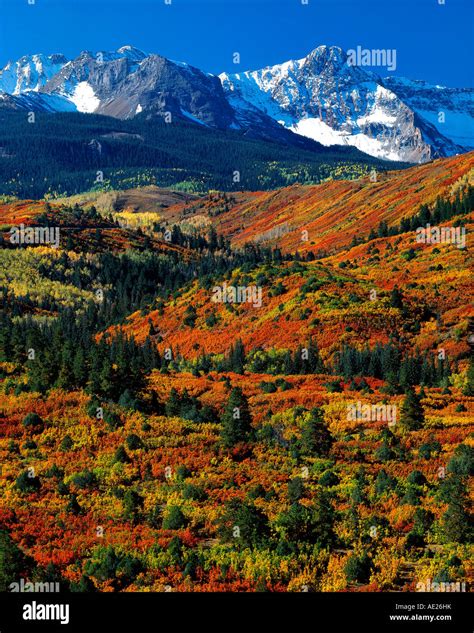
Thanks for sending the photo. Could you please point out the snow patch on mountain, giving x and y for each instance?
(324, 98)
(319, 131)
(37, 102)
(84, 98)
(245, 90)
(449, 110)
(378, 108)
(132, 53)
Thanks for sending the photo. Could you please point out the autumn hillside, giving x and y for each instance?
(342, 298)
(311, 434)
(304, 218)
(300, 217)
(332, 213)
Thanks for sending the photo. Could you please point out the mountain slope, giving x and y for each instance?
(322, 219)
(30, 73)
(67, 153)
(450, 110)
(324, 97)
(123, 87)
(330, 298)
(332, 213)
(162, 472)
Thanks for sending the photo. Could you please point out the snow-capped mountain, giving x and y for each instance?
(325, 98)
(124, 84)
(320, 97)
(29, 73)
(450, 110)
(128, 82)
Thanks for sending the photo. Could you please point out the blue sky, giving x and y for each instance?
(433, 42)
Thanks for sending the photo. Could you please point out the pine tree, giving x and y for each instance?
(132, 505)
(13, 561)
(106, 378)
(173, 406)
(404, 225)
(382, 230)
(324, 519)
(396, 298)
(288, 368)
(212, 239)
(120, 456)
(251, 522)
(66, 378)
(456, 526)
(295, 489)
(174, 519)
(316, 439)
(79, 368)
(237, 357)
(93, 383)
(236, 420)
(315, 364)
(469, 386)
(412, 415)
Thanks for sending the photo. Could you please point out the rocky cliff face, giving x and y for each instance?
(123, 87)
(449, 110)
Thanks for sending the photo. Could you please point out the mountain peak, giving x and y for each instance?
(131, 52)
(325, 98)
(324, 55)
(325, 50)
